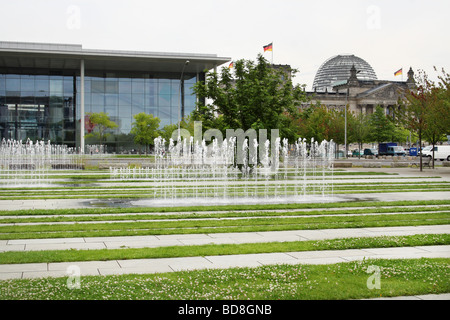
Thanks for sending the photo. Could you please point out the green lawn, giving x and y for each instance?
(323, 282)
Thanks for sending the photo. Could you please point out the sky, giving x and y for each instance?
(388, 34)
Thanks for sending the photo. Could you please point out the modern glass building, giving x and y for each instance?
(47, 89)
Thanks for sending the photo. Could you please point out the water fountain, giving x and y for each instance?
(188, 172)
(29, 163)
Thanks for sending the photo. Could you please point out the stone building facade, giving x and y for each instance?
(361, 95)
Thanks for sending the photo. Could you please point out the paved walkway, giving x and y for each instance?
(92, 243)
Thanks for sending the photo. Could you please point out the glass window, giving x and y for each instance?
(12, 84)
(137, 109)
(125, 112)
(97, 86)
(125, 86)
(87, 86)
(98, 99)
(153, 111)
(68, 86)
(41, 85)
(189, 100)
(138, 86)
(164, 88)
(97, 109)
(151, 86)
(151, 100)
(111, 100)
(175, 86)
(13, 76)
(27, 98)
(125, 125)
(111, 86)
(137, 99)
(163, 102)
(112, 111)
(56, 86)
(125, 100)
(2, 82)
(27, 83)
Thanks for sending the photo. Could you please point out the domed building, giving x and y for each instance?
(337, 69)
(348, 79)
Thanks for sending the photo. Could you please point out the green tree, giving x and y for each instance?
(167, 130)
(425, 109)
(314, 123)
(100, 124)
(256, 96)
(145, 129)
(438, 111)
(382, 128)
(361, 129)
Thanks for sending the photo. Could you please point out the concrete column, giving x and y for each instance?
(82, 106)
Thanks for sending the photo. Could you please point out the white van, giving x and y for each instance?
(440, 152)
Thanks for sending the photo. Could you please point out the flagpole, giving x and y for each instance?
(272, 52)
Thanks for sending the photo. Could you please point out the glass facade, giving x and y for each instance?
(37, 107)
(47, 106)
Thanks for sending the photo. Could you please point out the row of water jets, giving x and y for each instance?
(31, 163)
(231, 169)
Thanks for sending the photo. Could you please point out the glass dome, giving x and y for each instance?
(337, 69)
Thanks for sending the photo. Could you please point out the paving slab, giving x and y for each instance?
(12, 247)
(22, 267)
(83, 265)
(66, 246)
(10, 275)
(46, 241)
(120, 238)
(443, 296)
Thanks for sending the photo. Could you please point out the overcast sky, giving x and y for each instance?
(388, 34)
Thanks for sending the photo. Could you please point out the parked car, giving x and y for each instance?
(425, 150)
(357, 153)
(370, 152)
(395, 151)
(440, 152)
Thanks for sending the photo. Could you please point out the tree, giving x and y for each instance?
(437, 116)
(382, 128)
(256, 96)
(425, 109)
(100, 124)
(167, 130)
(361, 129)
(145, 129)
(314, 123)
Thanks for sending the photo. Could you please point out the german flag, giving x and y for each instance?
(268, 47)
(231, 65)
(398, 72)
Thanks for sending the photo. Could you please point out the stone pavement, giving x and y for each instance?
(153, 241)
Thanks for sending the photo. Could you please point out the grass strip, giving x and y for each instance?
(339, 281)
(219, 225)
(47, 256)
(230, 215)
(280, 206)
